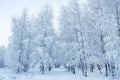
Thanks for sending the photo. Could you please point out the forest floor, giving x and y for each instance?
(55, 74)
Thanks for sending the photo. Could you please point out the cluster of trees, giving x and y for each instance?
(90, 35)
(32, 42)
(89, 39)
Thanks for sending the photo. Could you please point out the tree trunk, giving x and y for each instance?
(49, 68)
(99, 68)
(73, 69)
(113, 69)
(106, 69)
(91, 67)
(43, 70)
(85, 69)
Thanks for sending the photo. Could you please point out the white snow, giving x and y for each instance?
(55, 74)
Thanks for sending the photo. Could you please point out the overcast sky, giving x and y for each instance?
(9, 8)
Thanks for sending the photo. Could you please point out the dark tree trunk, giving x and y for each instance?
(113, 70)
(18, 71)
(57, 65)
(85, 70)
(68, 68)
(106, 69)
(20, 63)
(49, 68)
(73, 69)
(43, 70)
(26, 68)
(99, 68)
(91, 67)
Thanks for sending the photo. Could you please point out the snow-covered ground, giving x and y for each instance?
(55, 74)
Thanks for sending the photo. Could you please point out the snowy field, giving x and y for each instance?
(55, 74)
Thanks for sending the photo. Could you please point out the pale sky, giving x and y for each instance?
(9, 8)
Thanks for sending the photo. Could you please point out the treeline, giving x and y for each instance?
(32, 41)
(89, 39)
(91, 36)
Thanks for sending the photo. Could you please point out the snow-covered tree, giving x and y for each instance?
(44, 36)
(2, 56)
(71, 28)
(19, 43)
(108, 24)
